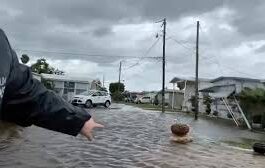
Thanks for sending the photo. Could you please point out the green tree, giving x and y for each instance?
(116, 87)
(252, 102)
(24, 58)
(253, 95)
(116, 90)
(41, 66)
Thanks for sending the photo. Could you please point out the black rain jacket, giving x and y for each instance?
(25, 101)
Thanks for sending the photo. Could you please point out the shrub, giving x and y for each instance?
(215, 113)
(253, 95)
(207, 101)
(117, 96)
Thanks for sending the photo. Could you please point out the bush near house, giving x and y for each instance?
(207, 101)
(193, 101)
(116, 90)
(256, 96)
(117, 96)
(252, 102)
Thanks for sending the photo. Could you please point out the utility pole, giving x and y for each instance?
(197, 74)
(163, 65)
(119, 77)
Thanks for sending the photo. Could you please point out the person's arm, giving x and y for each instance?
(26, 101)
(5, 65)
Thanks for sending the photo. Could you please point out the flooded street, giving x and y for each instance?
(132, 138)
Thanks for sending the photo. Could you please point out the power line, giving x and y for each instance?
(188, 43)
(189, 49)
(146, 53)
(232, 69)
(180, 43)
(83, 54)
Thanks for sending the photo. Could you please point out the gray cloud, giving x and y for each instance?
(249, 19)
(230, 31)
(102, 31)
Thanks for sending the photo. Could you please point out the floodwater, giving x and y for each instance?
(132, 138)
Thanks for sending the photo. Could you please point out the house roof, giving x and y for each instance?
(55, 77)
(222, 94)
(171, 90)
(214, 92)
(212, 88)
(235, 78)
(192, 79)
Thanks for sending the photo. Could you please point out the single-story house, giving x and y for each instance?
(239, 82)
(134, 95)
(68, 86)
(137, 95)
(187, 86)
(174, 98)
(150, 94)
(224, 91)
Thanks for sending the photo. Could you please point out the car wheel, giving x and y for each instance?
(107, 104)
(88, 104)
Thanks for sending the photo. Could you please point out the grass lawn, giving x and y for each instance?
(152, 107)
(245, 143)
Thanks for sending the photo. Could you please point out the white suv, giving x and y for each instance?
(92, 98)
(145, 99)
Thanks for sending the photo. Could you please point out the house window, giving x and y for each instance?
(69, 87)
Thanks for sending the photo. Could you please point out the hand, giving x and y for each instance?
(88, 127)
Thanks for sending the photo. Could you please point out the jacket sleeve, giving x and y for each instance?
(5, 65)
(26, 101)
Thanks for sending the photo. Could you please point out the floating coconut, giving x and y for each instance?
(180, 129)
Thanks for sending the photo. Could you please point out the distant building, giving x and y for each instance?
(150, 94)
(224, 91)
(137, 95)
(187, 86)
(225, 86)
(68, 86)
(238, 83)
(173, 98)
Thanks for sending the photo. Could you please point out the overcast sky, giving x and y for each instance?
(232, 38)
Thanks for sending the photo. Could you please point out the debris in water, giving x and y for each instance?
(180, 133)
(259, 148)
